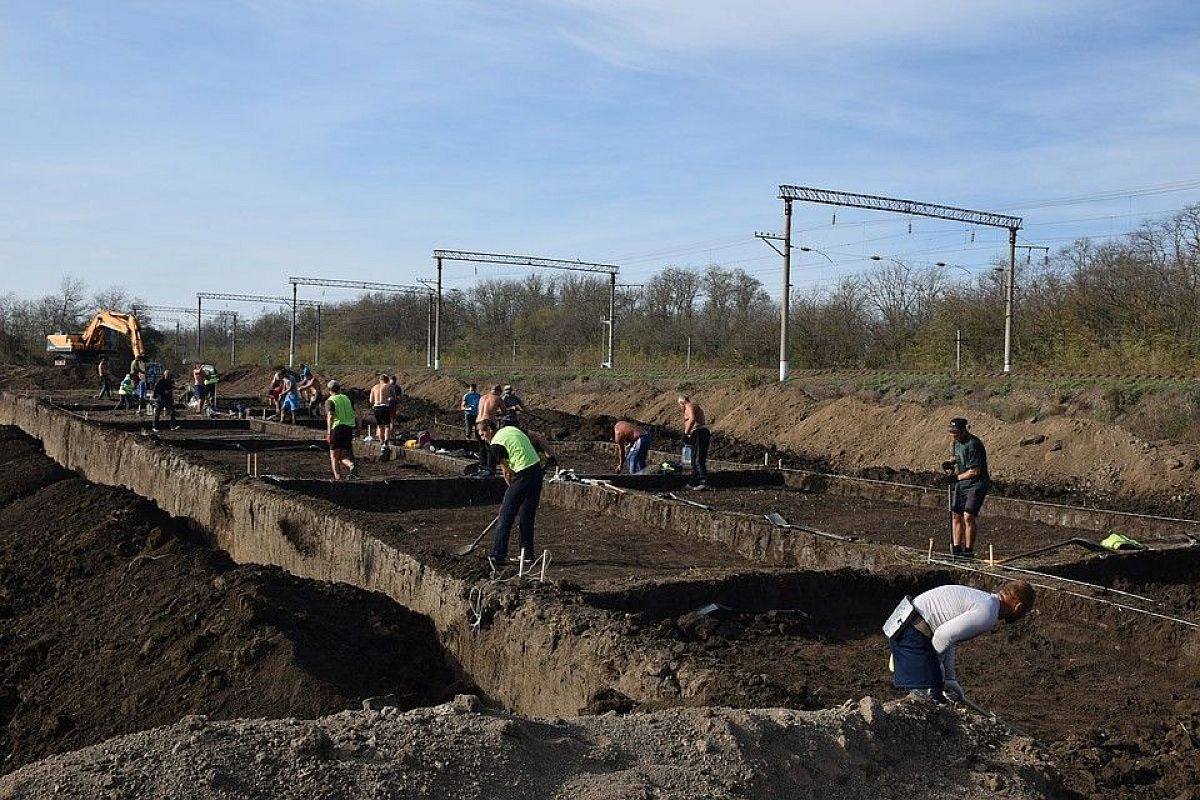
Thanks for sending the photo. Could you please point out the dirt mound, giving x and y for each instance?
(1074, 458)
(901, 750)
(73, 376)
(113, 620)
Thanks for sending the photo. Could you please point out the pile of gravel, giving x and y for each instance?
(905, 749)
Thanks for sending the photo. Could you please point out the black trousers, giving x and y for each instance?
(520, 504)
(700, 438)
(161, 404)
(105, 388)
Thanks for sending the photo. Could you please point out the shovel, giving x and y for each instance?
(462, 551)
(1084, 543)
(677, 498)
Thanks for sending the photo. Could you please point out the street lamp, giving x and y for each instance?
(815, 250)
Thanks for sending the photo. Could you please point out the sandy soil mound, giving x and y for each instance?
(1055, 456)
(112, 620)
(907, 749)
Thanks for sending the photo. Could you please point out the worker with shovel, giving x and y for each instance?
(522, 465)
(967, 474)
(923, 632)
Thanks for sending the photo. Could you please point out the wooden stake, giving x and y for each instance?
(929, 555)
(991, 555)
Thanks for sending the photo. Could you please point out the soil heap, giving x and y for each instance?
(904, 749)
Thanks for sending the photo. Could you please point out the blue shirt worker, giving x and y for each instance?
(523, 473)
(922, 633)
(470, 409)
(967, 474)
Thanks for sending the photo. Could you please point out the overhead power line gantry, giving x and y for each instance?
(440, 256)
(369, 286)
(806, 194)
(264, 300)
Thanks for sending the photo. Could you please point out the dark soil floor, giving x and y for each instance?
(114, 619)
(584, 551)
(1114, 694)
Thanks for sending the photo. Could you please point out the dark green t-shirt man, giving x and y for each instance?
(970, 454)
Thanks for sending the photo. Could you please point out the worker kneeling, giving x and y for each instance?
(523, 472)
(922, 632)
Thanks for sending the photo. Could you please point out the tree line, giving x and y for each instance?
(1127, 304)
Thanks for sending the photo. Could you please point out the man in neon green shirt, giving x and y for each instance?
(339, 431)
(523, 472)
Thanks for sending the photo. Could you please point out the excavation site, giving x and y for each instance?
(198, 603)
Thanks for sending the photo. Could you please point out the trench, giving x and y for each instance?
(663, 603)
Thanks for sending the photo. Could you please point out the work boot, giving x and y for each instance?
(967, 554)
(353, 473)
(956, 551)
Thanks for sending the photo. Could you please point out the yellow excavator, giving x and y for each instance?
(98, 339)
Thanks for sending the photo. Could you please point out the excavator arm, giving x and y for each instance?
(92, 340)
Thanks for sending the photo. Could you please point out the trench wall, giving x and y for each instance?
(748, 535)
(1090, 519)
(538, 654)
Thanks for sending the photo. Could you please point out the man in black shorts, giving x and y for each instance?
(339, 431)
(383, 404)
(968, 476)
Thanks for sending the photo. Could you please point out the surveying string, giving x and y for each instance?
(1048, 587)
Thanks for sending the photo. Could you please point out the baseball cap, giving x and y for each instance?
(958, 424)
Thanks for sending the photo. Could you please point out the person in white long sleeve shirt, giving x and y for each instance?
(923, 647)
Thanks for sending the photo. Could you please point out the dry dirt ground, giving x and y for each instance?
(1113, 696)
(1054, 456)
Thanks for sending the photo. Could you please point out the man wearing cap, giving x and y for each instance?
(923, 631)
(967, 474)
(512, 405)
(339, 427)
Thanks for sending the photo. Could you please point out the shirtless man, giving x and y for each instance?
(383, 402)
(490, 407)
(633, 444)
(695, 433)
(198, 386)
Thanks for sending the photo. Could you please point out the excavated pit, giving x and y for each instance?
(796, 619)
(114, 618)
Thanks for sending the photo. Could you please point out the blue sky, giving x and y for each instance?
(219, 145)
